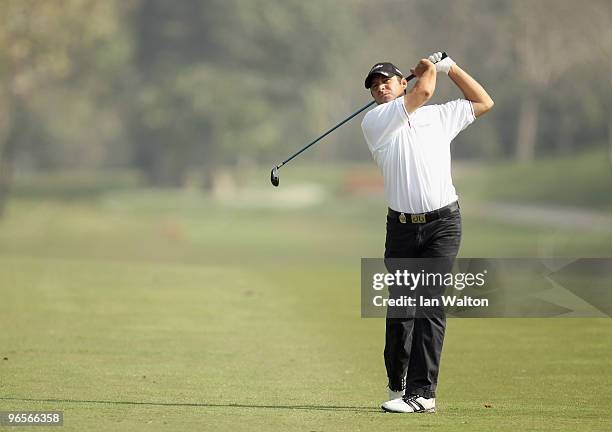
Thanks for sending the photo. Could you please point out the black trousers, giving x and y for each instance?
(413, 344)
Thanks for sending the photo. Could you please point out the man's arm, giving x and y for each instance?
(424, 88)
(472, 90)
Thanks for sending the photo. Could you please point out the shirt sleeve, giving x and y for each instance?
(455, 116)
(383, 122)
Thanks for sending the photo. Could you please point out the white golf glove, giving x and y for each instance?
(441, 65)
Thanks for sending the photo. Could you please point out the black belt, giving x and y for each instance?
(420, 218)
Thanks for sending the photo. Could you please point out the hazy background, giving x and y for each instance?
(178, 92)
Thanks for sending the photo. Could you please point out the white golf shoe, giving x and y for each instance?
(410, 404)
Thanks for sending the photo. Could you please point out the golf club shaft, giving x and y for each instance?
(368, 105)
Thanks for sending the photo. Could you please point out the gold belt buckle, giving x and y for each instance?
(402, 218)
(418, 218)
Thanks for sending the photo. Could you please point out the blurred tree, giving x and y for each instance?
(46, 48)
(602, 64)
(548, 38)
(221, 81)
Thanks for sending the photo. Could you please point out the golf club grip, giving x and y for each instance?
(444, 55)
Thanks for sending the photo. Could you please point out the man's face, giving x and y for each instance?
(385, 89)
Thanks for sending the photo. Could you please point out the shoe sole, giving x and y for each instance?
(429, 411)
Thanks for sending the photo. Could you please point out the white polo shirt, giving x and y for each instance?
(413, 151)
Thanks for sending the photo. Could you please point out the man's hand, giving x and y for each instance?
(441, 65)
(422, 66)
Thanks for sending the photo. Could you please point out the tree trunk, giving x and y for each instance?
(610, 141)
(5, 181)
(527, 129)
(564, 142)
(7, 157)
(8, 152)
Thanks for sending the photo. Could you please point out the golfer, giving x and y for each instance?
(410, 142)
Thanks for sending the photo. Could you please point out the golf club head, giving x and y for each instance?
(274, 176)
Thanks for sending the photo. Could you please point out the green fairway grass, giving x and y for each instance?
(167, 310)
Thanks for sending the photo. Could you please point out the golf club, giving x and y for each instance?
(274, 173)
